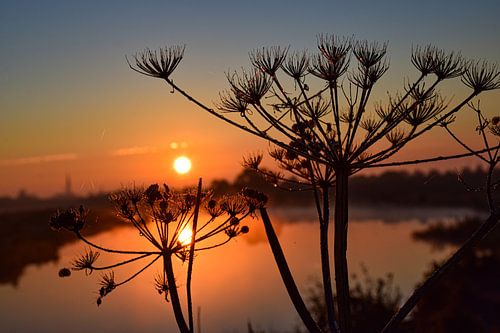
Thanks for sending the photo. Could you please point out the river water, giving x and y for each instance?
(232, 285)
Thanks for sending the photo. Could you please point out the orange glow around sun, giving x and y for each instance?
(182, 165)
(185, 236)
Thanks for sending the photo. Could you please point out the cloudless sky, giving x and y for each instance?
(69, 104)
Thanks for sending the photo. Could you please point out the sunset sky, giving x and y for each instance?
(69, 104)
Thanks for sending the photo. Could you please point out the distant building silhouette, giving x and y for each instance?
(67, 186)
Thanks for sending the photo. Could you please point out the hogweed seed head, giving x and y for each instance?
(86, 261)
(252, 161)
(327, 70)
(71, 219)
(296, 64)
(64, 272)
(423, 58)
(481, 76)
(447, 65)
(158, 63)
(229, 102)
(254, 198)
(334, 48)
(396, 136)
(152, 194)
(369, 54)
(268, 59)
(250, 87)
(425, 110)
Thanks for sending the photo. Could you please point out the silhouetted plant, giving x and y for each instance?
(373, 301)
(326, 135)
(487, 129)
(161, 215)
(467, 300)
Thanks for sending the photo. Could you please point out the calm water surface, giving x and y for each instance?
(231, 285)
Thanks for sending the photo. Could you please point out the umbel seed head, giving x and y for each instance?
(70, 219)
(64, 272)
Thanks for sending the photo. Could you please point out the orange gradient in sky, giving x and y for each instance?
(115, 145)
(71, 106)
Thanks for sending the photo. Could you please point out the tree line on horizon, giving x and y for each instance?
(431, 188)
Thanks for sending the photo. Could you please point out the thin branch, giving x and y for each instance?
(425, 160)
(80, 236)
(120, 263)
(139, 272)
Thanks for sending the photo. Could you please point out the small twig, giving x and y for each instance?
(425, 160)
(80, 236)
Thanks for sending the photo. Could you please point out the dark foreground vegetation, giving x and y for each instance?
(467, 299)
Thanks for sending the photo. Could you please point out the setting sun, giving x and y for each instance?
(182, 165)
(185, 236)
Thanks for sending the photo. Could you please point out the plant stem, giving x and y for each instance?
(325, 261)
(174, 296)
(286, 275)
(191, 257)
(340, 250)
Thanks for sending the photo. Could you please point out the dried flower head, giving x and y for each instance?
(316, 108)
(366, 77)
(86, 261)
(396, 136)
(268, 59)
(107, 284)
(296, 64)
(158, 63)
(152, 194)
(423, 58)
(334, 48)
(388, 114)
(213, 208)
(495, 128)
(447, 66)
(250, 87)
(122, 205)
(252, 161)
(231, 103)
(254, 198)
(481, 76)
(328, 70)
(425, 110)
(369, 54)
(64, 272)
(71, 219)
(369, 124)
(161, 285)
(233, 205)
